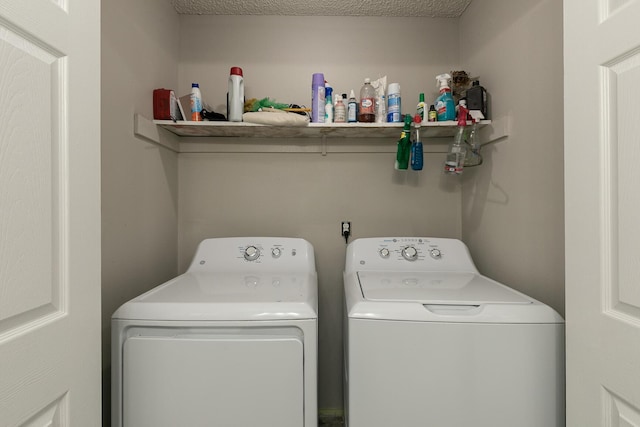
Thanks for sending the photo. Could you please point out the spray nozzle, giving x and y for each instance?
(443, 80)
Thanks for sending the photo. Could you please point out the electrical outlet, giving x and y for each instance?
(346, 230)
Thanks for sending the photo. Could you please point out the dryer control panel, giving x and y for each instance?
(262, 254)
(408, 254)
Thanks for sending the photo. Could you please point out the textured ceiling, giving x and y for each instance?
(429, 8)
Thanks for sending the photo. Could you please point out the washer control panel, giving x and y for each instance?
(409, 249)
(408, 253)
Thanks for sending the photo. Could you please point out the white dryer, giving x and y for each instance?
(431, 342)
(231, 342)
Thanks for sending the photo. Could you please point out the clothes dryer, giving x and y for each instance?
(431, 342)
(231, 342)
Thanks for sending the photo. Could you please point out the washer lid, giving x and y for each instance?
(227, 296)
(436, 288)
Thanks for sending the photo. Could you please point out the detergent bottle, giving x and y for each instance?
(445, 106)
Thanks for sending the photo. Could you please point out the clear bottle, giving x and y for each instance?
(454, 163)
(340, 115)
(367, 103)
(196, 103)
(352, 108)
(473, 156)
(456, 155)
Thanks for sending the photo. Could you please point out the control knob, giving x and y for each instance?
(251, 253)
(276, 252)
(435, 253)
(410, 253)
(384, 253)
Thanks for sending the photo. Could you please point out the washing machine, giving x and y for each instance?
(232, 342)
(431, 342)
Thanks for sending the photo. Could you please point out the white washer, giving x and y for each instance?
(431, 342)
(232, 342)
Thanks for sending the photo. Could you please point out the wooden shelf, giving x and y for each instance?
(312, 130)
(225, 137)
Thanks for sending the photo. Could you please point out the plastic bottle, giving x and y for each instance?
(445, 106)
(477, 99)
(433, 114)
(381, 107)
(417, 153)
(367, 102)
(473, 156)
(235, 95)
(352, 108)
(328, 106)
(403, 152)
(317, 98)
(457, 150)
(196, 103)
(340, 115)
(394, 101)
(420, 107)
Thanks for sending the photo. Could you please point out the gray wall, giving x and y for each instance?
(139, 179)
(513, 205)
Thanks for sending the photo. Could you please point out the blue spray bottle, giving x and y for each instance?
(417, 153)
(445, 106)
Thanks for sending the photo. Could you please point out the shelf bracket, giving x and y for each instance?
(147, 130)
(323, 145)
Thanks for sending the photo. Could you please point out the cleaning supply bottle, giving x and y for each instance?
(235, 95)
(340, 114)
(328, 106)
(432, 114)
(317, 98)
(404, 145)
(420, 107)
(473, 156)
(417, 153)
(445, 106)
(477, 100)
(352, 108)
(454, 162)
(196, 103)
(394, 114)
(367, 102)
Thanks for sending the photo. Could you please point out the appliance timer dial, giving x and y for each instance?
(251, 253)
(410, 253)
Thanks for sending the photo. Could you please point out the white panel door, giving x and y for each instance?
(49, 213)
(602, 208)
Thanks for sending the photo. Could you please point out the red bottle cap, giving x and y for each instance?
(236, 71)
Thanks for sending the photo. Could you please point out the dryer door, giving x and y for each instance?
(213, 380)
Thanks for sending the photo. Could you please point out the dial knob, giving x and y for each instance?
(384, 253)
(251, 253)
(276, 252)
(435, 253)
(410, 253)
